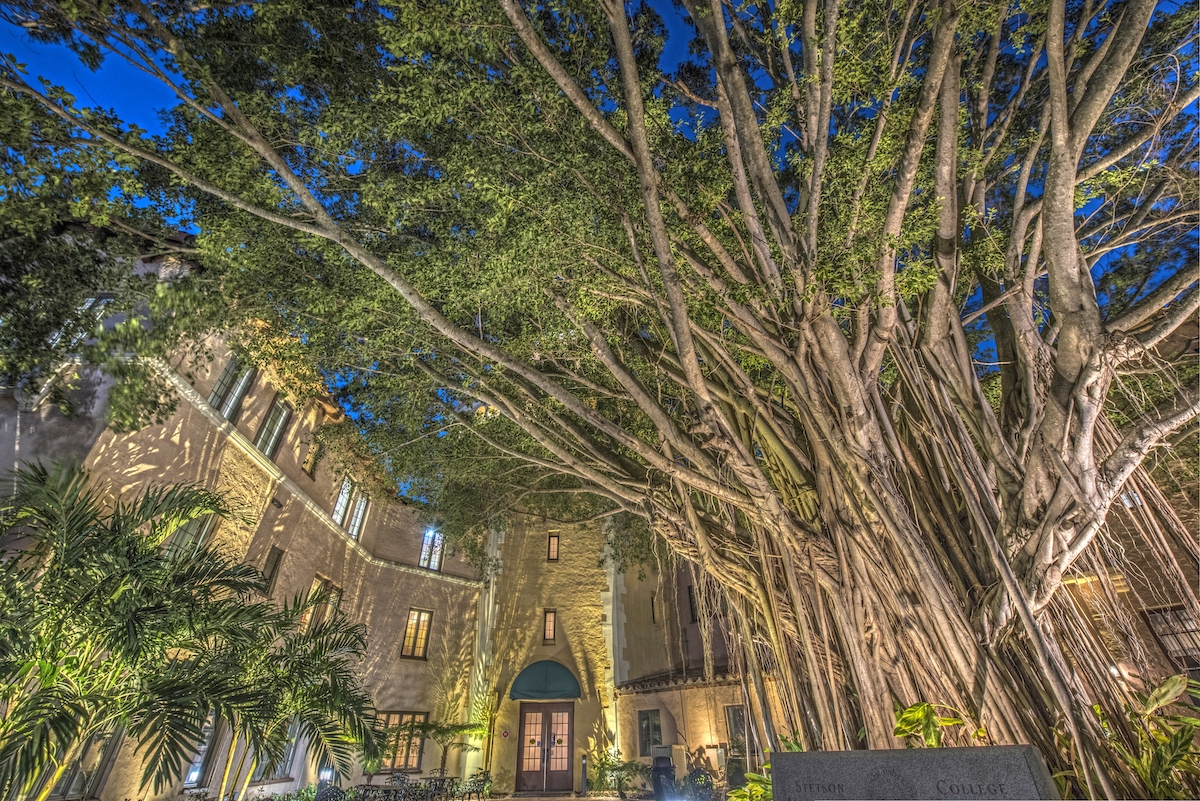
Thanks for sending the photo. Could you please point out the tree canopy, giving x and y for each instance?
(832, 296)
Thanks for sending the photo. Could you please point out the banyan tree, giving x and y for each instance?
(866, 308)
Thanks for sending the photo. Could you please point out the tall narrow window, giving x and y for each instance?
(735, 721)
(271, 432)
(193, 534)
(343, 501)
(231, 387)
(416, 634)
(85, 774)
(692, 603)
(649, 730)
(552, 548)
(318, 613)
(271, 569)
(431, 550)
(653, 611)
(354, 528)
(197, 772)
(266, 771)
(402, 750)
(549, 625)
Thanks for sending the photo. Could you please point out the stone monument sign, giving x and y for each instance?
(981, 774)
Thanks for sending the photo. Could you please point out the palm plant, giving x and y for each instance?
(446, 735)
(303, 670)
(101, 627)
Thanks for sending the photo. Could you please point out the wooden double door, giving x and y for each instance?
(544, 762)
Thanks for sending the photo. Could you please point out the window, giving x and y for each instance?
(193, 534)
(343, 501)
(649, 730)
(196, 774)
(735, 721)
(549, 622)
(1178, 632)
(350, 498)
(317, 614)
(84, 776)
(271, 569)
(431, 550)
(653, 611)
(552, 548)
(271, 432)
(416, 634)
(354, 529)
(231, 387)
(692, 603)
(402, 750)
(281, 770)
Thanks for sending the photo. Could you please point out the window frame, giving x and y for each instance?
(649, 727)
(196, 536)
(273, 575)
(341, 503)
(358, 516)
(205, 755)
(433, 550)
(418, 647)
(552, 545)
(404, 766)
(268, 441)
(231, 389)
(92, 784)
(549, 626)
(318, 614)
(281, 771)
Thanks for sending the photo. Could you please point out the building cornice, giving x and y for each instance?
(653, 684)
(189, 393)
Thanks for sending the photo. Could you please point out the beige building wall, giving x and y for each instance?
(575, 586)
(277, 504)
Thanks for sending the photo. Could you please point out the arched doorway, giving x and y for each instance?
(545, 761)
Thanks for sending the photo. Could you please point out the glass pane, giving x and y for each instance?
(531, 749)
(356, 519)
(343, 501)
(560, 748)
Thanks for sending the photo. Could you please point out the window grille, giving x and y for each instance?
(403, 749)
(431, 550)
(356, 518)
(271, 432)
(416, 634)
(231, 387)
(343, 501)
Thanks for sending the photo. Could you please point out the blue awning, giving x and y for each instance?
(543, 681)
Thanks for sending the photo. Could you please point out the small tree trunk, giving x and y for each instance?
(233, 742)
(72, 753)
